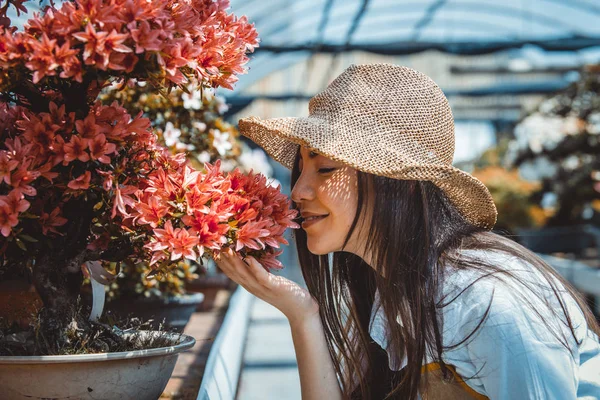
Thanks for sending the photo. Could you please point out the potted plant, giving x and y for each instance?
(85, 184)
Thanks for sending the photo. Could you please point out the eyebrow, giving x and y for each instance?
(311, 155)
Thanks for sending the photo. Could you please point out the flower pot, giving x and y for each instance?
(175, 310)
(140, 374)
(210, 287)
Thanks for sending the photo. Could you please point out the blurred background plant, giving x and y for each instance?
(512, 194)
(557, 145)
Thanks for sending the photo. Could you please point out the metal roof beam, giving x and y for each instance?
(462, 48)
(516, 88)
(464, 70)
(426, 19)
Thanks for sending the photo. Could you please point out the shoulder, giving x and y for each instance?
(513, 301)
(509, 332)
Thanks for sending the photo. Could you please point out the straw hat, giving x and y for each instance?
(386, 120)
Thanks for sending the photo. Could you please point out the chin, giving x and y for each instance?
(318, 250)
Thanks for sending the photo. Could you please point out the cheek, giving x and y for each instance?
(339, 195)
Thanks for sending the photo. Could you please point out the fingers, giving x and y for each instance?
(247, 272)
(261, 275)
(234, 267)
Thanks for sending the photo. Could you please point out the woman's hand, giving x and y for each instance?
(288, 297)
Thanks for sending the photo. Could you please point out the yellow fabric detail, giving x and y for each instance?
(436, 366)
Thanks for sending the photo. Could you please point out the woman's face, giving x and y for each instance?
(330, 188)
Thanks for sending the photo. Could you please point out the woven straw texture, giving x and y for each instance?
(386, 120)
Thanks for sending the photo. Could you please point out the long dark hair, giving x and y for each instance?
(419, 232)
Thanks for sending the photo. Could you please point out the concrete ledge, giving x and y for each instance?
(224, 363)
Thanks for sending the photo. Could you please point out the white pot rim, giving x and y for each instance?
(186, 342)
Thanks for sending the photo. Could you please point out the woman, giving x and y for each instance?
(419, 297)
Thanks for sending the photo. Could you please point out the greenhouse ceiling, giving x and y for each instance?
(291, 30)
(405, 27)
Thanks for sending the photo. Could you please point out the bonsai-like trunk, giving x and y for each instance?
(58, 288)
(57, 278)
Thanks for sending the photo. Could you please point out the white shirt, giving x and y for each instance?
(513, 354)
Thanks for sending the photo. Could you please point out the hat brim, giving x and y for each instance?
(282, 137)
(468, 194)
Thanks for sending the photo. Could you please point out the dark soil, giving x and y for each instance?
(85, 337)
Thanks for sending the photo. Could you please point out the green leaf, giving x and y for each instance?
(21, 244)
(28, 238)
(29, 215)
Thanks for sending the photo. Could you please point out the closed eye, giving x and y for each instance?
(326, 170)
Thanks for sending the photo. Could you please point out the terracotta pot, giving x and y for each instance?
(19, 302)
(140, 374)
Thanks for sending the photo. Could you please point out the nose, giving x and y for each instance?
(303, 190)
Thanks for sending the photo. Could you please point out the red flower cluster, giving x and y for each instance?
(59, 155)
(58, 148)
(167, 41)
(189, 212)
(173, 211)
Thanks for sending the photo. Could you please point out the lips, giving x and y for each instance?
(306, 216)
(312, 219)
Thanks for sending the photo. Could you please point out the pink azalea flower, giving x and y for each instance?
(269, 261)
(123, 61)
(45, 171)
(39, 132)
(19, 150)
(99, 148)
(182, 245)
(58, 148)
(8, 220)
(121, 199)
(15, 201)
(171, 61)
(114, 42)
(42, 61)
(22, 178)
(87, 127)
(66, 58)
(151, 212)
(209, 229)
(146, 38)
(75, 150)
(6, 166)
(250, 235)
(94, 52)
(82, 182)
(196, 200)
(52, 220)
